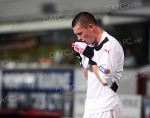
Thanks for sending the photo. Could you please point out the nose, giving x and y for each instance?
(79, 38)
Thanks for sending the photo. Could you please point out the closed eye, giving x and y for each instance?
(79, 33)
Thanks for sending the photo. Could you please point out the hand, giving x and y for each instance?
(83, 49)
(78, 47)
(77, 54)
(85, 53)
(76, 51)
(114, 87)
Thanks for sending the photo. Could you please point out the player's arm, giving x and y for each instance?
(89, 52)
(94, 67)
(108, 66)
(104, 69)
(95, 70)
(118, 71)
(83, 60)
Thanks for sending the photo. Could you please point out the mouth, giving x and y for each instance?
(82, 41)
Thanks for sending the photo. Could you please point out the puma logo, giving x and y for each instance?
(107, 50)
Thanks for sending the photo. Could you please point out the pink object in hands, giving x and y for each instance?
(79, 46)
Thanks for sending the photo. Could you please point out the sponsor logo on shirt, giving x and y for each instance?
(104, 70)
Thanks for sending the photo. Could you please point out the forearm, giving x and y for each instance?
(95, 70)
(85, 73)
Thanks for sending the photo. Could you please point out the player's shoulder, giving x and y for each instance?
(113, 42)
(110, 38)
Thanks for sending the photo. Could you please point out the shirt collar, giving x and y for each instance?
(103, 37)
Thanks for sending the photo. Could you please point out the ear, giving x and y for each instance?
(90, 26)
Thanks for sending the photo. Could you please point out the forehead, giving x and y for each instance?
(78, 28)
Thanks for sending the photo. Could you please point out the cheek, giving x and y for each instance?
(86, 35)
(90, 37)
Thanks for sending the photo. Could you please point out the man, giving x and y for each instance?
(102, 61)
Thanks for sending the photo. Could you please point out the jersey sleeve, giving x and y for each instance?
(84, 61)
(120, 62)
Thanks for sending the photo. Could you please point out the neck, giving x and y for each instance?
(98, 34)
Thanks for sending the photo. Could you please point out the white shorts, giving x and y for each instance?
(114, 113)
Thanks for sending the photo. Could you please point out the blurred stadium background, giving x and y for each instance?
(39, 75)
